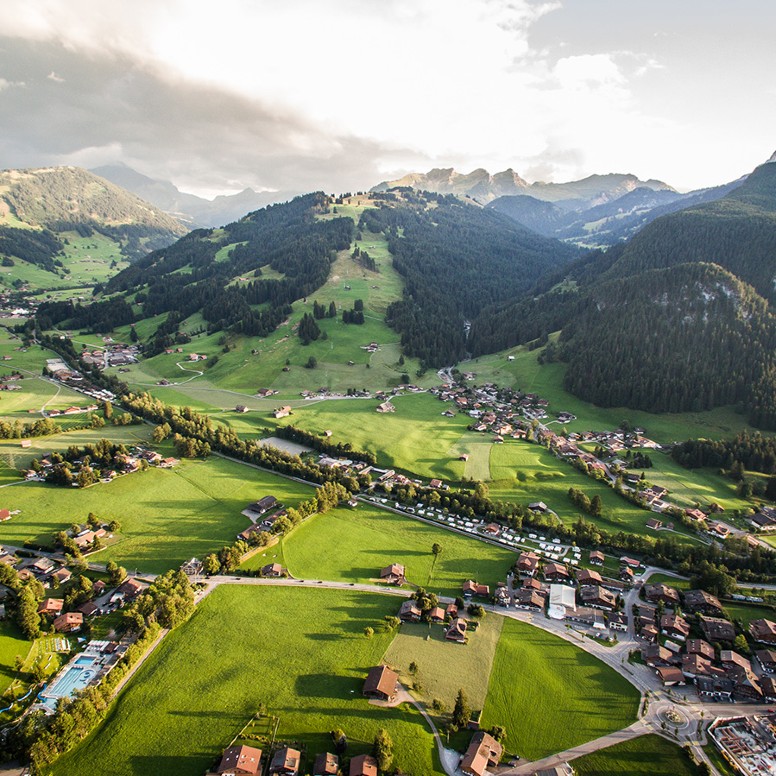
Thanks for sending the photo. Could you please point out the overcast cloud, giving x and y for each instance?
(340, 94)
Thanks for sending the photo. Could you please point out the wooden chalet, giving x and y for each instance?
(381, 683)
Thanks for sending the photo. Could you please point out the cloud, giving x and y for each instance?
(52, 76)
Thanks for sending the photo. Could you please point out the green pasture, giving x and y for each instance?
(166, 515)
(301, 652)
(352, 545)
(649, 755)
(550, 695)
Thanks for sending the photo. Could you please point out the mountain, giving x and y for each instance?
(448, 260)
(190, 209)
(483, 187)
(47, 214)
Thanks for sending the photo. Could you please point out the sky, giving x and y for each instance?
(339, 95)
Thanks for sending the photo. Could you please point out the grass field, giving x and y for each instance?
(650, 755)
(425, 644)
(552, 696)
(526, 472)
(353, 545)
(12, 643)
(748, 612)
(175, 721)
(166, 516)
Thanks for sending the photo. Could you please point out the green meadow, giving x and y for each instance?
(550, 695)
(166, 515)
(352, 545)
(301, 652)
(649, 755)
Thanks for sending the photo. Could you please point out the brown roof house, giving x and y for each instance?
(716, 629)
(409, 611)
(381, 683)
(363, 765)
(555, 572)
(703, 602)
(484, 752)
(240, 761)
(472, 588)
(763, 631)
(393, 574)
(597, 558)
(285, 762)
(528, 563)
(674, 626)
(69, 622)
(668, 595)
(456, 631)
(326, 764)
(51, 607)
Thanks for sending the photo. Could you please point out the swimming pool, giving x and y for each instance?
(75, 677)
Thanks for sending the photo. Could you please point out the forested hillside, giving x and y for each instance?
(196, 273)
(456, 260)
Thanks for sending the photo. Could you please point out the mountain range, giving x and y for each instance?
(189, 209)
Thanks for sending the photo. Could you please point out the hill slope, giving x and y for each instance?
(44, 213)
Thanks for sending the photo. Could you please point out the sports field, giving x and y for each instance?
(353, 545)
(166, 515)
(552, 696)
(301, 652)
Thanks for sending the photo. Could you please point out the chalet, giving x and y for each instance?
(381, 683)
(555, 572)
(130, 588)
(456, 631)
(269, 521)
(531, 583)
(729, 658)
(437, 614)
(262, 505)
(717, 629)
(719, 530)
(768, 685)
(61, 575)
(98, 588)
(763, 631)
(326, 764)
(597, 558)
(632, 562)
(618, 621)
(528, 563)
(695, 515)
(241, 408)
(272, 570)
(393, 574)
(386, 406)
(501, 595)
(43, 566)
(88, 609)
(529, 599)
(670, 676)
(674, 627)
(694, 666)
(764, 519)
(654, 524)
(484, 752)
(585, 577)
(656, 593)
(714, 688)
(700, 647)
(626, 574)
(471, 588)
(168, 463)
(263, 393)
(240, 761)
(435, 484)
(363, 765)
(538, 506)
(598, 597)
(699, 601)
(655, 655)
(767, 660)
(282, 412)
(69, 622)
(248, 534)
(51, 607)
(409, 612)
(648, 632)
(285, 762)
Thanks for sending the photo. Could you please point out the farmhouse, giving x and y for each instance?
(528, 563)
(763, 631)
(484, 752)
(437, 614)
(326, 764)
(285, 762)
(51, 607)
(529, 599)
(262, 505)
(282, 412)
(675, 627)
(555, 572)
(272, 570)
(471, 588)
(363, 765)
(585, 577)
(393, 574)
(409, 612)
(130, 588)
(386, 406)
(597, 597)
(381, 682)
(240, 761)
(456, 631)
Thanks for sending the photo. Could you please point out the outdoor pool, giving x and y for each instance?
(74, 677)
